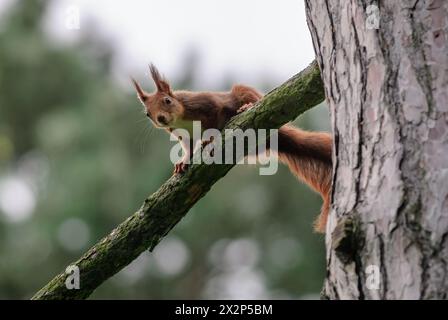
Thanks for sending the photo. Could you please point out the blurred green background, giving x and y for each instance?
(77, 157)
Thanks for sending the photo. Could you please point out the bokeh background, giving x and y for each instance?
(77, 155)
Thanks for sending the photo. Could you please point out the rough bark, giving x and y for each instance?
(162, 210)
(388, 98)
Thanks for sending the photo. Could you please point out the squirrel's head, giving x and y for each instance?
(162, 107)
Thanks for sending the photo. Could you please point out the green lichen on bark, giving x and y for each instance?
(162, 210)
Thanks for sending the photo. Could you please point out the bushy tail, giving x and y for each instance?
(308, 156)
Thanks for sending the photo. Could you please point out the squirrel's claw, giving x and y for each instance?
(205, 143)
(245, 107)
(180, 168)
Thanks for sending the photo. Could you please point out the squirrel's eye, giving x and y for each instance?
(147, 114)
(167, 101)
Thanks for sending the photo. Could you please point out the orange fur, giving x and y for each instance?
(308, 156)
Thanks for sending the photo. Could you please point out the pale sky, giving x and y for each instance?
(246, 39)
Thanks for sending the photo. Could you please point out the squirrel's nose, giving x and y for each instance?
(162, 120)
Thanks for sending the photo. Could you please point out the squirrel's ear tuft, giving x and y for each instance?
(142, 95)
(161, 84)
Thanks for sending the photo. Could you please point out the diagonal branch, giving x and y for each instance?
(162, 210)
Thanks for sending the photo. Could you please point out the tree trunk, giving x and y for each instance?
(386, 88)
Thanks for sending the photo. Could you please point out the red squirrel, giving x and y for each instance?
(307, 154)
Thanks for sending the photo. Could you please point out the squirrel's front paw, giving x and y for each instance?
(205, 143)
(245, 107)
(180, 167)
